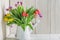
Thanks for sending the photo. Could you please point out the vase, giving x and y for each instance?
(23, 35)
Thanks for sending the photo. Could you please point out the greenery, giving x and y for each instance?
(20, 16)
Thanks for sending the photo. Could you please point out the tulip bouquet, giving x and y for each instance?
(21, 16)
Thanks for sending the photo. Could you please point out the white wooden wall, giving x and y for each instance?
(3, 5)
(57, 16)
(50, 23)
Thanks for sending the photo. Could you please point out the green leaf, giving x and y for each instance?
(30, 26)
(30, 11)
(20, 9)
(23, 26)
(30, 18)
(27, 10)
(9, 23)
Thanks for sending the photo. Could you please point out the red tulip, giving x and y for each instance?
(38, 11)
(35, 15)
(24, 14)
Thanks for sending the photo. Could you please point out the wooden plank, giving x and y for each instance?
(43, 27)
(1, 31)
(57, 15)
(53, 17)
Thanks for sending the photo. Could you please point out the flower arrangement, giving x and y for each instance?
(21, 16)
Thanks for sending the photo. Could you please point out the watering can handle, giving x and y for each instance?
(35, 25)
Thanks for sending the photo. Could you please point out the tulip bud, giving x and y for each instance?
(21, 3)
(7, 9)
(18, 2)
(38, 11)
(40, 15)
(16, 5)
(24, 14)
(10, 7)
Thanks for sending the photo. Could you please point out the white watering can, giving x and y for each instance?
(21, 35)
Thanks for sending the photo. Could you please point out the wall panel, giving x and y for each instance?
(44, 26)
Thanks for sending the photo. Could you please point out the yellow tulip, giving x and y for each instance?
(8, 14)
(5, 19)
(10, 20)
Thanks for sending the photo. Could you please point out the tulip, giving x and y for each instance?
(40, 15)
(21, 3)
(24, 14)
(8, 14)
(10, 20)
(7, 9)
(38, 11)
(5, 19)
(18, 2)
(16, 5)
(10, 7)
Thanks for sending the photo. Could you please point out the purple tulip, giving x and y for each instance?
(18, 2)
(40, 15)
(10, 7)
(32, 23)
(16, 5)
(21, 3)
(7, 9)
